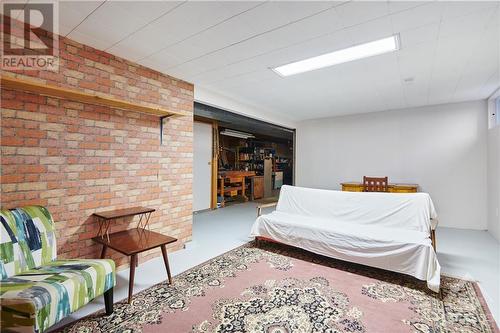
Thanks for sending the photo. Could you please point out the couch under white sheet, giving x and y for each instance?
(384, 230)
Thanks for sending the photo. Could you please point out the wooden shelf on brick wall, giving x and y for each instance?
(84, 97)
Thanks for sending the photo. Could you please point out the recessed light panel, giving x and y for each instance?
(357, 52)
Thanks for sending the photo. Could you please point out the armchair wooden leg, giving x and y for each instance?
(108, 301)
(433, 239)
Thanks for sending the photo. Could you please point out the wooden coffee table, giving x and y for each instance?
(133, 241)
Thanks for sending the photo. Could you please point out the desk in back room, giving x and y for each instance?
(233, 183)
(393, 188)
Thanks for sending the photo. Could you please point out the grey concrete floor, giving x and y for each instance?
(473, 255)
(468, 254)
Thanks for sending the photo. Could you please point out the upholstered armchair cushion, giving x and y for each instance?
(43, 296)
(36, 289)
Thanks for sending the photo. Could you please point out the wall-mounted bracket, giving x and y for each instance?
(161, 127)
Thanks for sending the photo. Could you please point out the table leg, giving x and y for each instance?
(165, 260)
(242, 191)
(104, 250)
(222, 203)
(133, 263)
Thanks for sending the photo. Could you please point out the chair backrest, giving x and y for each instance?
(374, 184)
(27, 239)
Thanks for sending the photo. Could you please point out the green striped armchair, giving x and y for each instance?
(36, 289)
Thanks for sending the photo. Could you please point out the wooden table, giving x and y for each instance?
(233, 181)
(105, 218)
(133, 241)
(393, 188)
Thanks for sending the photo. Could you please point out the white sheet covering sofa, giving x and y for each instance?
(385, 230)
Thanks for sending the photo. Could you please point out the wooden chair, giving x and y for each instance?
(373, 184)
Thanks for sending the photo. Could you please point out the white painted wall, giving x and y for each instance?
(202, 169)
(494, 167)
(442, 148)
(494, 181)
(246, 109)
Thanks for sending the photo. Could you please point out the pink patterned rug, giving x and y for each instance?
(279, 289)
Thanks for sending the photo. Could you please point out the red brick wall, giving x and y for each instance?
(78, 158)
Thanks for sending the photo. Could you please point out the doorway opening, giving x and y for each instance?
(238, 158)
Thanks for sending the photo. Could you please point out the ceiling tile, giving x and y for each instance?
(372, 30)
(110, 22)
(276, 13)
(356, 12)
(184, 21)
(424, 34)
(416, 61)
(415, 93)
(398, 6)
(89, 40)
(229, 33)
(454, 9)
(495, 18)
(442, 86)
(147, 10)
(448, 59)
(471, 24)
(419, 16)
(72, 13)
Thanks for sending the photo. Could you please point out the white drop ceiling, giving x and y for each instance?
(449, 50)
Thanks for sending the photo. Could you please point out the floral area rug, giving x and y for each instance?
(280, 289)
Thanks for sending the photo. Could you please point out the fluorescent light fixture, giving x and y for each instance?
(237, 134)
(360, 51)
